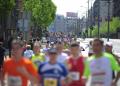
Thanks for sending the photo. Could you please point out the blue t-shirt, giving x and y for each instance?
(52, 74)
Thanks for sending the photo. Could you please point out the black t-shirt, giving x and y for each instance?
(2, 52)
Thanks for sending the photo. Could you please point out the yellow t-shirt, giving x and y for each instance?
(37, 59)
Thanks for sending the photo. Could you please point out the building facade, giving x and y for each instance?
(100, 7)
(116, 10)
(69, 24)
(58, 25)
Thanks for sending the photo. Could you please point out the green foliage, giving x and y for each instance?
(6, 6)
(43, 11)
(114, 24)
(95, 31)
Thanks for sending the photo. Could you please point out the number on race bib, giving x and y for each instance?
(98, 79)
(75, 75)
(37, 62)
(14, 81)
(50, 82)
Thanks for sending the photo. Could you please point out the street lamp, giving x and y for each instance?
(98, 18)
(108, 20)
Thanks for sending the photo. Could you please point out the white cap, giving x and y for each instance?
(109, 44)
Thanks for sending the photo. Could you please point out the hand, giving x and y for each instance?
(22, 70)
(69, 79)
(114, 83)
(84, 80)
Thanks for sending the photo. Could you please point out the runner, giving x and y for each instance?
(109, 49)
(28, 52)
(52, 72)
(62, 57)
(67, 51)
(38, 57)
(18, 70)
(76, 66)
(100, 66)
(90, 53)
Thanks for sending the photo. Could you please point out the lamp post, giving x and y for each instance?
(108, 20)
(98, 18)
(91, 18)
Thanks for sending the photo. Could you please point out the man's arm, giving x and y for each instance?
(86, 70)
(64, 77)
(27, 74)
(115, 67)
(30, 72)
(118, 74)
(116, 79)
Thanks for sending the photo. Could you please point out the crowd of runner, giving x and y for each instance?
(59, 63)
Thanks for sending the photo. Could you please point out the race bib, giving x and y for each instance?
(98, 79)
(14, 81)
(75, 76)
(37, 62)
(50, 82)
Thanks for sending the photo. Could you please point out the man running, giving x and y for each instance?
(76, 66)
(100, 66)
(52, 73)
(28, 52)
(62, 57)
(38, 57)
(90, 53)
(19, 70)
(109, 49)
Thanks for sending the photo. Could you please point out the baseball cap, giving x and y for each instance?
(52, 43)
(52, 50)
(109, 44)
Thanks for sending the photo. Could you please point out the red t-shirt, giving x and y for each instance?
(76, 66)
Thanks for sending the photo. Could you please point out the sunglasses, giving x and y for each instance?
(51, 53)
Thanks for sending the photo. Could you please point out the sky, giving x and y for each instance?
(79, 6)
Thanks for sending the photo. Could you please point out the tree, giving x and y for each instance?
(43, 11)
(6, 7)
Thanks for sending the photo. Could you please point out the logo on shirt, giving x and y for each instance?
(56, 71)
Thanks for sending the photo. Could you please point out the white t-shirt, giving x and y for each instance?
(90, 49)
(28, 54)
(100, 71)
(61, 58)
